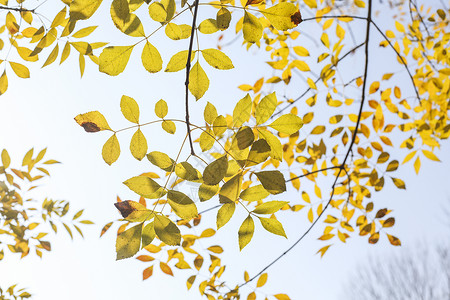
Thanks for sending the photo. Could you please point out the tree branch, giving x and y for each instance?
(342, 166)
(188, 69)
(18, 9)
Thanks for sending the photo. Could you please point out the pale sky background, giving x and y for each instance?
(39, 112)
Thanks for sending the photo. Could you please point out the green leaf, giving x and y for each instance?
(215, 171)
(276, 149)
(167, 231)
(245, 232)
(272, 181)
(161, 109)
(128, 242)
(287, 124)
(182, 205)
(151, 59)
(178, 61)
(272, 225)
(92, 121)
(265, 108)
(231, 189)
(283, 16)
(206, 192)
(83, 9)
(114, 59)
(223, 18)
(130, 109)
(252, 28)
(185, 171)
(198, 81)
(169, 126)
(208, 26)
(242, 111)
(254, 193)
(138, 145)
(148, 234)
(217, 59)
(210, 113)
(225, 213)
(111, 150)
(259, 152)
(269, 207)
(161, 160)
(143, 185)
(133, 211)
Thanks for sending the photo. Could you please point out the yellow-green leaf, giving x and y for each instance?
(148, 234)
(288, 124)
(138, 145)
(252, 29)
(225, 213)
(245, 232)
(283, 16)
(272, 181)
(242, 111)
(143, 185)
(182, 205)
(167, 231)
(217, 59)
(215, 171)
(269, 207)
(151, 59)
(83, 9)
(114, 59)
(111, 150)
(128, 242)
(206, 192)
(130, 109)
(265, 108)
(161, 160)
(92, 121)
(198, 81)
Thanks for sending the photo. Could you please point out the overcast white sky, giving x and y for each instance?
(39, 112)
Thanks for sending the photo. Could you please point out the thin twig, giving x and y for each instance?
(188, 69)
(342, 166)
(19, 9)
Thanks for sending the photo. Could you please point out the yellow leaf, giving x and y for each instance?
(231, 189)
(138, 145)
(84, 32)
(283, 16)
(360, 3)
(210, 113)
(276, 149)
(128, 242)
(273, 226)
(242, 111)
(301, 51)
(143, 186)
(198, 81)
(272, 181)
(262, 280)
(65, 53)
(206, 192)
(223, 18)
(130, 109)
(284, 296)
(186, 171)
(114, 59)
(182, 205)
(169, 126)
(259, 152)
(151, 59)
(399, 27)
(133, 211)
(20, 70)
(215, 171)
(111, 150)
(245, 232)
(92, 121)
(161, 160)
(217, 59)
(254, 193)
(3, 83)
(52, 56)
(265, 108)
(167, 231)
(288, 124)
(6, 160)
(310, 215)
(225, 213)
(252, 29)
(157, 12)
(430, 155)
(208, 26)
(161, 109)
(82, 47)
(417, 165)
(125, 21)
(178, 61)
(394, 240)
(323, 250)
(374, 87)
(83, 9)
(219, 125)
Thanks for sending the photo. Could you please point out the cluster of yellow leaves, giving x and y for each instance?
(20, 218)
